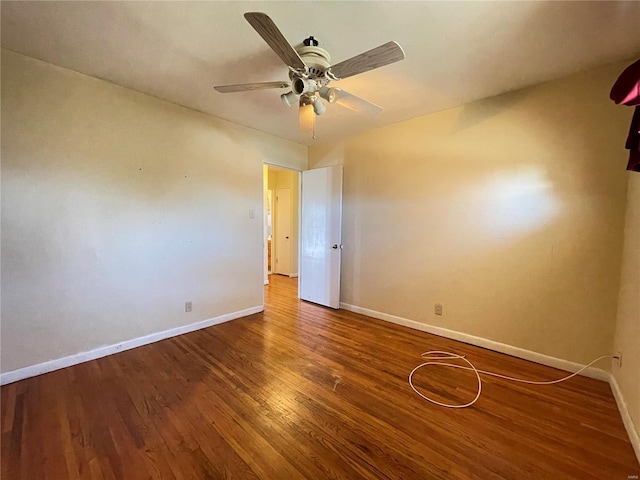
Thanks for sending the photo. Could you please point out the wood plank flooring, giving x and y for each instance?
(304, 392)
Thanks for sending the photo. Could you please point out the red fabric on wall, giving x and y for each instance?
(626, 91)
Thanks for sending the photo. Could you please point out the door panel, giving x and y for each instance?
(321, 236)
(283, 231)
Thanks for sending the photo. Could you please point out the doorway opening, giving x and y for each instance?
(281, 221)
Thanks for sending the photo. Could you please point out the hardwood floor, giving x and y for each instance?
(304, 392)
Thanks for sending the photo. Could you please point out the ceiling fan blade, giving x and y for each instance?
(357, 104)
(265, 27)
(380, 56)
(245, 87)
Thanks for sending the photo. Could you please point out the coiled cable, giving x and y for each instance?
(438, 357)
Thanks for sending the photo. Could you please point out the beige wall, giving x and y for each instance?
(508, 211)
(117, 208)
(627, 336)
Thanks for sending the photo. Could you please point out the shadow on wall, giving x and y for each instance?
(510, 211)
(477, 112)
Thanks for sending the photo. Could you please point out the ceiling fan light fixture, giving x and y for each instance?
(307, 118)
(318, 106)
(289, 99)
(329, 94)
(301, 85)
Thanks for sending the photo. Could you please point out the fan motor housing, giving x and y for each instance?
(316, 59)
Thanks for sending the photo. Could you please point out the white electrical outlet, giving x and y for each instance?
(188, 306)
(438, 308)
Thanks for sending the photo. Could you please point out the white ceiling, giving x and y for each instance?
(457, 52)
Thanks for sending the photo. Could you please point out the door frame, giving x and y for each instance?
(264, 216)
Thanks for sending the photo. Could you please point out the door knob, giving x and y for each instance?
(335, 246)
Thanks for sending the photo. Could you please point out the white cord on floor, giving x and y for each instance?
(436, 357)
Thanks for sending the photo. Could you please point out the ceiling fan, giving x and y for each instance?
(310, 72)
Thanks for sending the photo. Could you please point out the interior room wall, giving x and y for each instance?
(508, 211)
(117, 208)
(627, 334)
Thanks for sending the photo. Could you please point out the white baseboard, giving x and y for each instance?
(626, 416)
(51, 365)
(532, 356)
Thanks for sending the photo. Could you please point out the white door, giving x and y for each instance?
(283, 231)
(321, 236)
